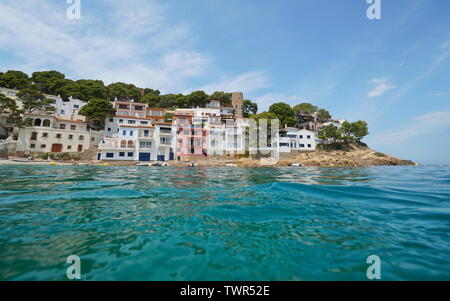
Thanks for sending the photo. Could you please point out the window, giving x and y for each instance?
(302, 145)
(165, 140)
(76, 106)
(70, 137)
(73, 127)
(63, 112)
(144, 122)
(309, 145)
(120, 120)
(111, 120)
(33, 145)
(131, 133)
(130, 154)
(131, 121)
(121, 154)
(301, 136)
(92, 139)
(44, 135)
(43, 146)
(34, 136)
(69, 147)
(146, 132)
(124, 133)
(109, 129)
(292, 136)
(109, 155)
(284, 144)
(309, 137)
(145, 144)
(81, 137)
(58, 136)
(123, 107)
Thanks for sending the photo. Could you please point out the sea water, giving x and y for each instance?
(168, 223)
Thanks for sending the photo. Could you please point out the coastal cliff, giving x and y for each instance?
(328, 156)
(337, 155)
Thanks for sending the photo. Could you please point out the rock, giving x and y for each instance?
(3, 150)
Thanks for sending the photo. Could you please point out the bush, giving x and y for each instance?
(377, 154)
(44, 156)
(64, 156)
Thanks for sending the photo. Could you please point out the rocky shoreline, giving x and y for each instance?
(348, 156)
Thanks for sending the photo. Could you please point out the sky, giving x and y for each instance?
(393, 72)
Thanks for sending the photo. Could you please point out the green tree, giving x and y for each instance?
(329, 133)
(360, 130)
(323, 115)
(282, 111)
(13, 79)
(354, 131)
(123, 91)
(151, 99)
(48, 81)
(347, 130)
(290, 121)
(148, 91)
(197, 98)
(250, 108)
(9, 110)
(98, 109)
(33, 100)
(264, 115)
(221, 96)
(304, 108)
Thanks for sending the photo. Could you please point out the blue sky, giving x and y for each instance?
(394, 72)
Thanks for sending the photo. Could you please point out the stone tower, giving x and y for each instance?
(237, 100)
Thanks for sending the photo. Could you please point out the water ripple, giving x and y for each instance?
(130, 223)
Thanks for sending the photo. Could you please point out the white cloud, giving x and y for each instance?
(246, 82)
(442, 93)
(130, 43)
(422, 125)
(381, 87)
(445, 45)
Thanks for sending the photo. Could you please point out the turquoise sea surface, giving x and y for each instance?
(167, 223)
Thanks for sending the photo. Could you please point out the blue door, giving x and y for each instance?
(161, 158)
(144, 157)
(171, 156)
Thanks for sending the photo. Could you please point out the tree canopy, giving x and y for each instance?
(55, 83)
(250, 108)
(15, 80)
(354, 131)
(33, 100)
(221, 96)
(305, 108)
(282, 111)
(98, 108)
(323, 115)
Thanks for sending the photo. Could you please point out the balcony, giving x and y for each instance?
(165, 142)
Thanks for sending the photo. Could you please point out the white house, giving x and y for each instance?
(52, 134)
(290, 139)
(139, 143)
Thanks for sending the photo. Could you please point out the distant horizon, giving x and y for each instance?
(391, 72)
